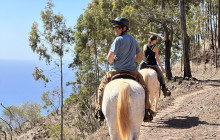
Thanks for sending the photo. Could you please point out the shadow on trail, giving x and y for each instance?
(215, 83)
(180, 122)
(183, 122)
(210, 82)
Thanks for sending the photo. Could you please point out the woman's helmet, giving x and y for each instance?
(121, 21)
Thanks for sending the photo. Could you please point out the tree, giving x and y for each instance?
(2, 131)
(39, 74)
(14, 116)
(32, 112)
(219, 24)
(17, 116)
(185, 40)
(157, 18)
(168, 38)
(52, 99)
(7, 119)
(93, 37)
(52, 43)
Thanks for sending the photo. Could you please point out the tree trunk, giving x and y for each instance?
(208, 20)
(219, 24)
(215, 28)
(61, 85)
(8, 123)
(185, 40)
(168, 44)
(211, 24)
(4, 135)
(162, 4)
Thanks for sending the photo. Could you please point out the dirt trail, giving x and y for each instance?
(190, 116)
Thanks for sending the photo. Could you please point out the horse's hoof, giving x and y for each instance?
(148, 116)
(154, 114)
(166, 92)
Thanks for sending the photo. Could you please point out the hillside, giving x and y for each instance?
(192, 115)
(192, 112)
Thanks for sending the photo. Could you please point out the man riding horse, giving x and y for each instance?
(124, 54)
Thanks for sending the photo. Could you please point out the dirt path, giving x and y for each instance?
(192, 116)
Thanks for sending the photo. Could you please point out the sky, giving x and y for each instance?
(17, 17)
(17, 60)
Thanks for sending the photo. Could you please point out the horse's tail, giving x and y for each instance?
(123, 106)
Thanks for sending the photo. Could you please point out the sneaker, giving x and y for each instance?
(148, 117)
(99, 115)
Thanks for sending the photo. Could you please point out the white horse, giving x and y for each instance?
(153, 84)
(123, 106)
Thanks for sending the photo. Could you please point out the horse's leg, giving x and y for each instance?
(137, 107)
(153, 101)
(156, 99)
(156, 102)
(136, 122)
(113, 129)
(114, 134)
(135, 133)
(110, 119)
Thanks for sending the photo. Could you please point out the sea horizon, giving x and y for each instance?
(17, 85)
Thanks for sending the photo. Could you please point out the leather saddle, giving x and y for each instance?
(124, 76)
(151, 67)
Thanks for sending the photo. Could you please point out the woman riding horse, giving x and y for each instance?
(151, 58)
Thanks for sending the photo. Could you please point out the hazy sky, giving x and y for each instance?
(17, 16)
(17, 84)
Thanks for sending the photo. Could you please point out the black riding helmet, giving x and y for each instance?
(121, 21)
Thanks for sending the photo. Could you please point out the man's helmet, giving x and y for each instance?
(121, 21)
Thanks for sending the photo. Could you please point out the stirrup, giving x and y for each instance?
(99, 115)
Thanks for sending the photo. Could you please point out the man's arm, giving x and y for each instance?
(110, 57)
(139, 57)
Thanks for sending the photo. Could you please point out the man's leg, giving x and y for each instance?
(101, 88)
(99, 114)
(106, 79)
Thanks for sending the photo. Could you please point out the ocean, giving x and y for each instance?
(17, 85)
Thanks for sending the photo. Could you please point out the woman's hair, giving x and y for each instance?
(152, 38)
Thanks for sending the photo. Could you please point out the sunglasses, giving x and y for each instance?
(116, 27)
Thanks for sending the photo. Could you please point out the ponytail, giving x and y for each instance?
(152, 38)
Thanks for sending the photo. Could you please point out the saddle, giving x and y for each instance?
(124, 76)
(151, 67)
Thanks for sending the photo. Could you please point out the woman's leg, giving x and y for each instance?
(165, 90)
(162, 81)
